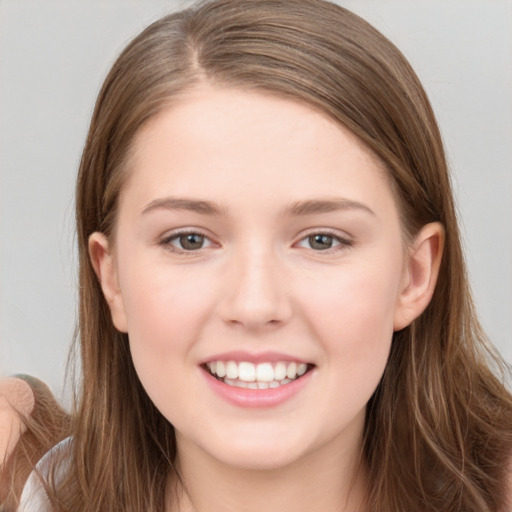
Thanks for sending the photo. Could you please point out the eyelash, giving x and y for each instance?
(342, 243)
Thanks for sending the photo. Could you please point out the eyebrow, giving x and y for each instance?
(312, 206)
(299, 208)
(176, 203)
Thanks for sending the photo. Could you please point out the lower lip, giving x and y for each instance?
(260, 398)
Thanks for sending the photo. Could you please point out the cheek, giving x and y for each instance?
(161, 302)
(164, 311)
(164, 316)
(353, 317)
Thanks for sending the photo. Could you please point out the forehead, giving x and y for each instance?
(207, 108)
(212, 139)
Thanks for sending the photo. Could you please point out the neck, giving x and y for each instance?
(328, 480)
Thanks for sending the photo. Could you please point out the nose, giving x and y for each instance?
(257, 293)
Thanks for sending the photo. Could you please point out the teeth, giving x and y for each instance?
(257, 376)
(264, 372)
(280, 371)
(231, 370)
(291, 371)
(218, 368)
(247, 372)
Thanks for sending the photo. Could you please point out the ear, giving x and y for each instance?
(104, 266)
(420, 274)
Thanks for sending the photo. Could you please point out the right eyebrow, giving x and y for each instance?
(177, 203)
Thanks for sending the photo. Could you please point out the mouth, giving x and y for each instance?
(265, 375)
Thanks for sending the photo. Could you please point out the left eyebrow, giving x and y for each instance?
(313, 206)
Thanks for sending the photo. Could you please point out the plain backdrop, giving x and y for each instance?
(53, 58)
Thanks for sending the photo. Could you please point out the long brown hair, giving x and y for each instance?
(439, 426)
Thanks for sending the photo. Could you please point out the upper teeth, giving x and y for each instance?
(262, 372)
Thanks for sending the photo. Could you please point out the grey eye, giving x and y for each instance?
(321, 242)
(191, 241)
(187, 242)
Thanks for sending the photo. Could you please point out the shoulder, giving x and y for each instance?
(51, 467)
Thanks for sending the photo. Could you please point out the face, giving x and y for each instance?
(258, 267)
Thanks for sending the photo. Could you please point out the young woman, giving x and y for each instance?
(274, 310)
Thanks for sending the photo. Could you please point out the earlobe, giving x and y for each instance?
(420, 274)
(104, 266)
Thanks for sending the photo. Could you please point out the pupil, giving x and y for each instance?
(320, 242)
(192, 241)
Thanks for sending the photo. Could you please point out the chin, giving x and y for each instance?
(257, 450)
(261, 458)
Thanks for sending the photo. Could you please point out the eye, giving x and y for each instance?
(324, 242)
(187, 242)
(321, 242)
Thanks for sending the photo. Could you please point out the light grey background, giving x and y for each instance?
(53, 57)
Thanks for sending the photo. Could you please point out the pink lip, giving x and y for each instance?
(261, 398)
(261, 357)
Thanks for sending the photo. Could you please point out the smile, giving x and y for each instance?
(264, 375)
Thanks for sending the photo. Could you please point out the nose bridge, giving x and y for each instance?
(257, 295)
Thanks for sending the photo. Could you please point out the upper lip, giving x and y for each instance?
(256, 357)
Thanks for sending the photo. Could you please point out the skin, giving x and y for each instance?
(16, 401)
(258, 285)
